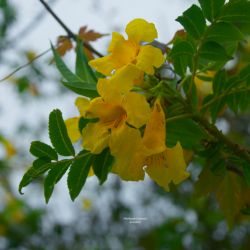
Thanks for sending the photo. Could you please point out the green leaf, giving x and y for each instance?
(78, 173)
(186, 131)
(73, 82)
(83, 70)
(236, 11)
(39, 167)
(246, 172)
(224, 32)
(214, 52)
(57, 171)
(63, 69)
(40, 149)
(182, 54)
(193, 21)
(228, 194)
(102, 165)
(58, 134)
(211, 8)
(84, 121)
(85, 89)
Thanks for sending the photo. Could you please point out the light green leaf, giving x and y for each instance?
(40, 149)
(83, 70)
(58, 134)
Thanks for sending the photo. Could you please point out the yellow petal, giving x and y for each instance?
(204, 88)
(120, 83)
(104, 65)
(148, 58)
(137, 109)
(72, 128)
(125, 144)
(168, 166)
(140, 30)
(116, 38)
(95, 137)
(124, 52)
(155, 132)
(82, 104)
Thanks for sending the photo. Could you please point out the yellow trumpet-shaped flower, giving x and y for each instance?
(131, 51)
(204, 87)
(116, 107)
(164, 165)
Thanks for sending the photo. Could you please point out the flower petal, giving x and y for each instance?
(125, 144)
(137, 109)
(95, 137)
(155, 132)
(120, 83)
(104, 65)
(140, 30)
(168, 166)
(72, 128)
(116, 38)
(148, 58)
(82, 104)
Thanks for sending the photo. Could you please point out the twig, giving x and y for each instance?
(68, 31)
(24, 65)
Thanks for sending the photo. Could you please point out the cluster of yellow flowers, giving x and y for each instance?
(133, 127)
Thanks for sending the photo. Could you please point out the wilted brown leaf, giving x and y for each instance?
(89, 35)
(64, 44)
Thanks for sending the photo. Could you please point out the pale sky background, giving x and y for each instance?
(104, 16)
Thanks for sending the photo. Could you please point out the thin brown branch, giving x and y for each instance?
(68, 31)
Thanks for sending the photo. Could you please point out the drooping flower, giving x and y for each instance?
(204, 87)
(132, 50)
(164, 165)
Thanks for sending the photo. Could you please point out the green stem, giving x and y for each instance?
(179, 117)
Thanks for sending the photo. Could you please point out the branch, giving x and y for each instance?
(213, 130)
(68, 31)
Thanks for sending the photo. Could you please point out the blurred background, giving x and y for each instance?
(99, 218)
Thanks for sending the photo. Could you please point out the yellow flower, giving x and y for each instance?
(123, 52)
(115, 110)
(164, 165)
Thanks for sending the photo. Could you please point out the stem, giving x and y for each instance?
(179, 117)
(213, 130)
(68, 31)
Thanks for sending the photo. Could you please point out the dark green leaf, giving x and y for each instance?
(84, 121)
(40, 149)
(246, 172)
(182, 54)
(83, 89)
(78, 173)
(102, 165)
(214, 52)
(211, 8)
(39, 167)
(187, 132)
(236, 11)
(83, 70)
(58, 134)
(57, 171)
(193, 21)
(224, 32)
